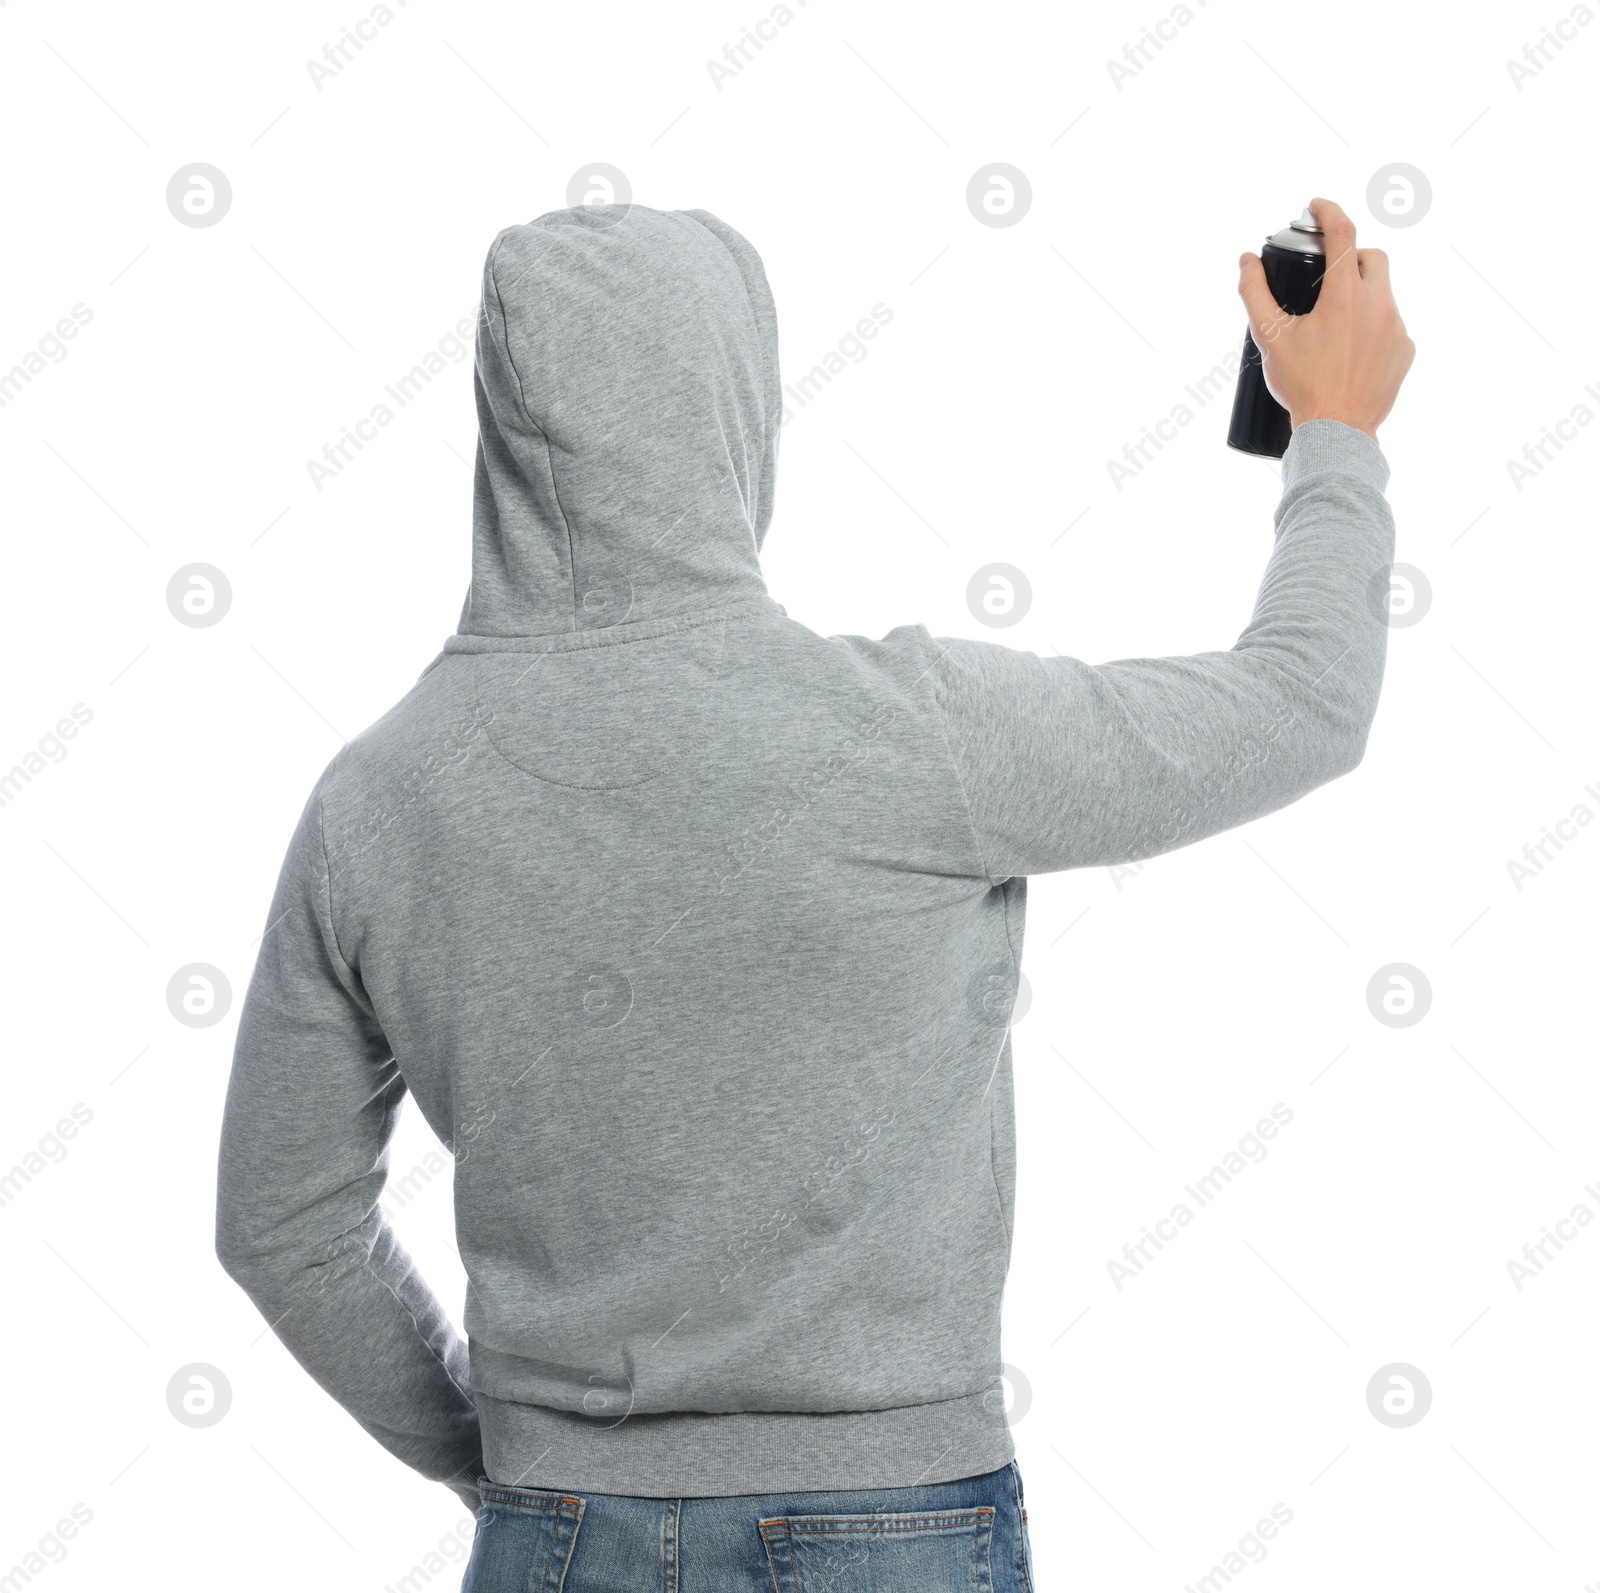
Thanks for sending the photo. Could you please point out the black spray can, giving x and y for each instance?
(1293, 262)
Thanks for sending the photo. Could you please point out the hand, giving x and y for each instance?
(1346, 359)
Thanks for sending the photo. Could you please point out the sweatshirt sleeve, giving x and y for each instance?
(1066, 764)
(312, 1103)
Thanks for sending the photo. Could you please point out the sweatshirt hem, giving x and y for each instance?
(688, 1454)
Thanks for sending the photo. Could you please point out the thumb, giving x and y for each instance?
(1259, 303)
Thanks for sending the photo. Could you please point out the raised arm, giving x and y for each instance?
(1066, 764)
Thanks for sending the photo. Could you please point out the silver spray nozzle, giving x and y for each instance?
(1303, 235)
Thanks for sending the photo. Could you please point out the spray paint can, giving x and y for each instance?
(1293, 262)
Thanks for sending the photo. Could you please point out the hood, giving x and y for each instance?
(628, 412)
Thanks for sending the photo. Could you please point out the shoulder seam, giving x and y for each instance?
(955, 769)
(327, 886)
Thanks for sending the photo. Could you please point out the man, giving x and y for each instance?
(695, 936)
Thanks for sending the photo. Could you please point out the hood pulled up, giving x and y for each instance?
(626, 380)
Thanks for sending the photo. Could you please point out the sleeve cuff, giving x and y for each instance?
(1330, 445)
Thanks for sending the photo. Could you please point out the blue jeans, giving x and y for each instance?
(969, 1536)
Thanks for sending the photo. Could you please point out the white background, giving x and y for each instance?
(1172, 1007)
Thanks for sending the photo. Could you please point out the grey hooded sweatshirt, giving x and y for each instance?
(694, 934)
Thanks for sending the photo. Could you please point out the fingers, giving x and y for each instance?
(1259, 303)
(1373, 265)
(1338, 240)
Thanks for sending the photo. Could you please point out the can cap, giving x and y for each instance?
(1302, 235)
